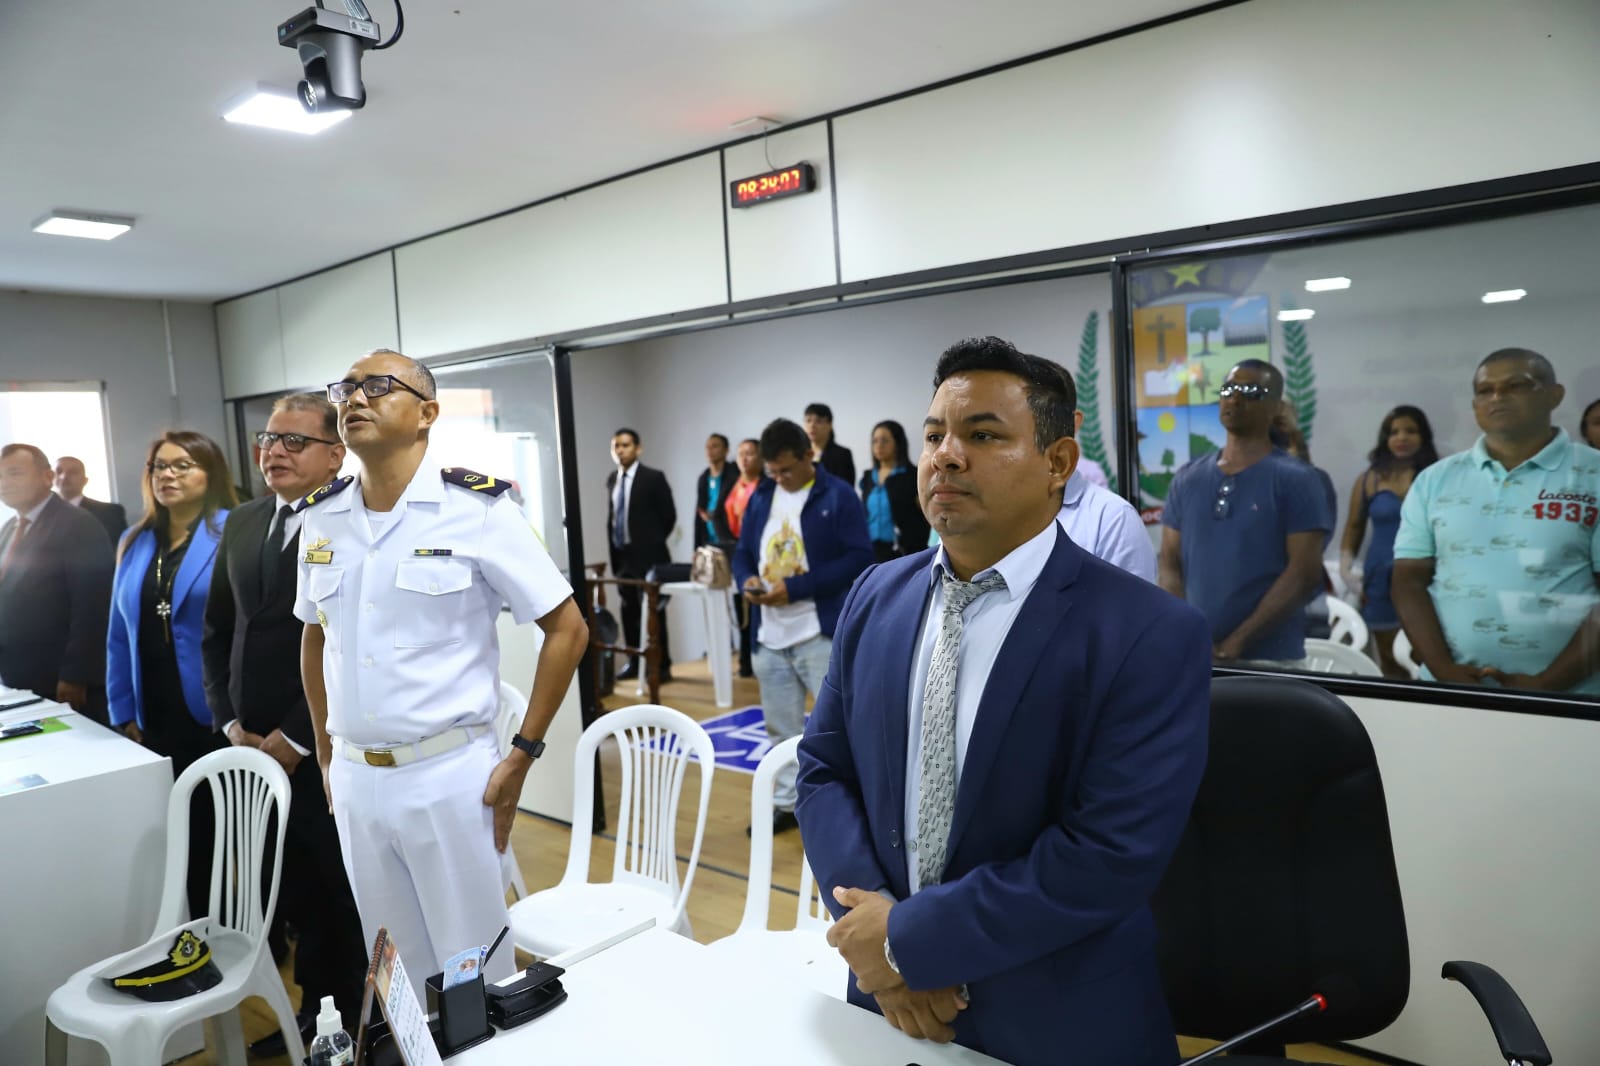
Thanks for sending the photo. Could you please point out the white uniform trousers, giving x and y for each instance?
(419, 849)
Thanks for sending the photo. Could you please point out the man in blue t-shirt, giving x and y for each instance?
(1245, 528)
(1497, 562)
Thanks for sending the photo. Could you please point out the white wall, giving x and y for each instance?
(606, 396)
(645, 245)
(1267, 107)
(1270, 106)
(124, 344)
(868, 363)
(1498, 852)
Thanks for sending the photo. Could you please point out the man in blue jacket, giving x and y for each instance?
(1005, 749)
(803, 541)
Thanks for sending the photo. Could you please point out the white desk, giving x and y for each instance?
(83, 862)
(714, 606)
(662, 998)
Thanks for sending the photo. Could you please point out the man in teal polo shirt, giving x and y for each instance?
(1497, 562)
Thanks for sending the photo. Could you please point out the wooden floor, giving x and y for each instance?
(717, 900)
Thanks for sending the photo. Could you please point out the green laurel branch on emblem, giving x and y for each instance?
(1090, 438)
(1300, 379)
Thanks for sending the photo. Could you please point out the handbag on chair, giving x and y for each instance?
(710, 568)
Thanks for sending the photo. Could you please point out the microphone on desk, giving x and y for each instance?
(1336, 993)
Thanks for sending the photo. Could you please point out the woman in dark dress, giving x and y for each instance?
(1405, 446)
(889, 490)
(154, 682)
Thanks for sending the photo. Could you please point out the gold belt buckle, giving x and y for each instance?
(379, 758)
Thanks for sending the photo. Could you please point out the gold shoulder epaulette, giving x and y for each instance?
(332, 488)
(469, 479)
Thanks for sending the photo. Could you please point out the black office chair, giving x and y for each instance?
(1284, 885)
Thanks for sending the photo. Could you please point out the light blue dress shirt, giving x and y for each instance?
(1107, 527)
(986, 622)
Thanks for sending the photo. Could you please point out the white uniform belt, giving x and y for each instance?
(401, 754)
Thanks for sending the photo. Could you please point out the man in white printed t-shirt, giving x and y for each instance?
(803, 543)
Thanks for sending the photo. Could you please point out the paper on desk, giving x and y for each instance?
(408, 1023)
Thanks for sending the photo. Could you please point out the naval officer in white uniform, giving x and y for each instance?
(402, 574)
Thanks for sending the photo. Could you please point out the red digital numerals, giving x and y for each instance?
(1569, 512)
(768, 184)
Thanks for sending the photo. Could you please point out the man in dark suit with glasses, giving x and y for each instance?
(251, 653)
(1244, 529)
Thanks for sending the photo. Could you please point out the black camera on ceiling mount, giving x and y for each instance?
(330, 45)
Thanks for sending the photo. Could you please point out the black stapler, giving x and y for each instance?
(536, 991)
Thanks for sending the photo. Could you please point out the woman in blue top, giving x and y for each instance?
(158, 597)
(1405, 446)
(889, 490)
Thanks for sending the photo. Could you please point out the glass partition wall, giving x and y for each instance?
(1333, 398)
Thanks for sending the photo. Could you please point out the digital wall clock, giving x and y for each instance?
(773, 185)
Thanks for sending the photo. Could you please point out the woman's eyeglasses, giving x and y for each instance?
(181, 467)
(294, 442)
(375, 386)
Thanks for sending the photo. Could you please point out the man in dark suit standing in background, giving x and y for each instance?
(70, 480)
(640, 515)
(251, 653)
(55, 589)
(711, 494)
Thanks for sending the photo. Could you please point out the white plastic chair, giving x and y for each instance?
(1404, 656)
(653, 744)
(513, 708)
(1329, 657)
(1345, 624)
(246, 788)
(802, 954)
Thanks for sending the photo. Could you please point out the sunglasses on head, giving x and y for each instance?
(1247, 389)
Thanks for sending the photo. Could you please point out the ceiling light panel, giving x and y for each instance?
(80, 224)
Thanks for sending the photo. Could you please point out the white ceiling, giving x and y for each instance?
(484, 105)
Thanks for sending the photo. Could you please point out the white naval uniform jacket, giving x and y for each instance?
(408, 615)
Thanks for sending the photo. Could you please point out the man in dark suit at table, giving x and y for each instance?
(55, 589)
(251, 656)
(640, 515)
(70, 481)
(1004, 754)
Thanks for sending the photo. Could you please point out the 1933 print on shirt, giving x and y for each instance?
(1515, 553)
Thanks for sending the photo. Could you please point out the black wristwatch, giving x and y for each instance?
(534, 748)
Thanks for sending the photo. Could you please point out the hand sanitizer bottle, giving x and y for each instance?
(333, 1046)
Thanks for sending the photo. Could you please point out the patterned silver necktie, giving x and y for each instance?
(937, 802)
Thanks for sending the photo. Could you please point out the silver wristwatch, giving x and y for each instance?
(888, 956)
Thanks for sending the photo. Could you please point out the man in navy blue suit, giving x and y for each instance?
(1005, 750)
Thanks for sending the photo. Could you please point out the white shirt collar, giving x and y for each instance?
(1077, 485)
(1021, 568)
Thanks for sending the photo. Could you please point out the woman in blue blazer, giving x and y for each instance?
(158, 599)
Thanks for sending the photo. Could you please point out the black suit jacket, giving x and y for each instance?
(651, 513)
(837, 460)
(55, 599)
(250, 647)
(109, 515)
(719, 516)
